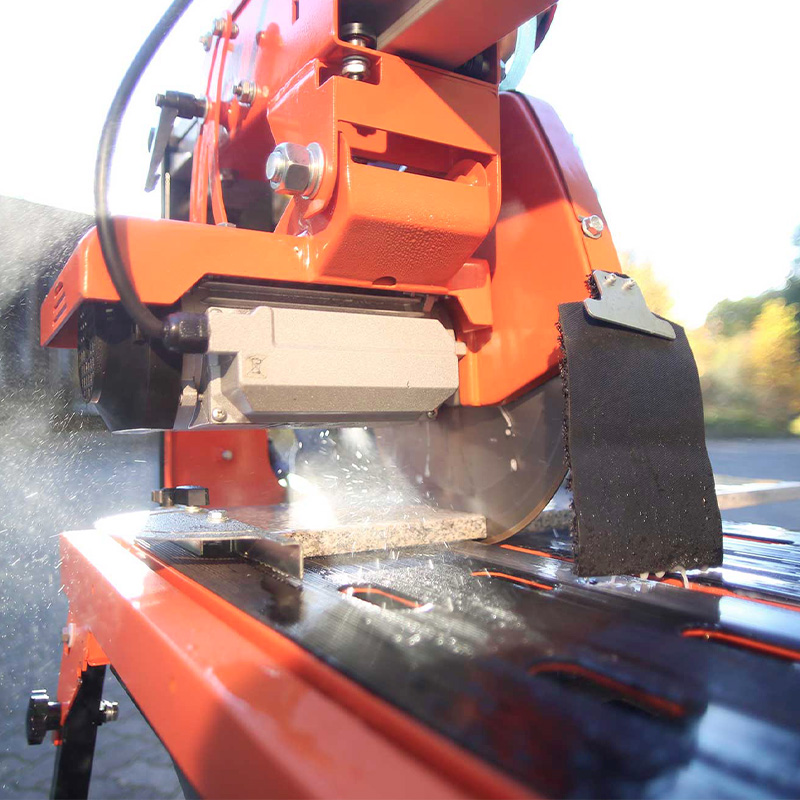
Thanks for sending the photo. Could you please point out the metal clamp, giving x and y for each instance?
(622, 303)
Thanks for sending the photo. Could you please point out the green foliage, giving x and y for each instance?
(654, 290)
(748, 357)
(731, 317)
(734, 423)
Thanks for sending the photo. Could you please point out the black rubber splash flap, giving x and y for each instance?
(642, 483)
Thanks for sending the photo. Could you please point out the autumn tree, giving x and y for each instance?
(774, 363)
(655, 291)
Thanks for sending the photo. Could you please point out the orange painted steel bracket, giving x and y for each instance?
(243, 711)
(232, 464)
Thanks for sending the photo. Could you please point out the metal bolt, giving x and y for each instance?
(357, 33)
(628, 285)
(295, 169)
(433, 414)
(216, 516)
(109, 711)
(68, 635)
(610, 280)
(180, 496)
(592, 226)
(219, 28)
(245, 91)
(355, 66)
(219, 415)
(227, 455)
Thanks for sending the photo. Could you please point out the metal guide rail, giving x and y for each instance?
(544, 682)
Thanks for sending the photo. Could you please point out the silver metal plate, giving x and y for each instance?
(209, 532)
(622, 303)
(504, 462)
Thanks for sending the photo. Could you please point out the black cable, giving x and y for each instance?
(177, 332)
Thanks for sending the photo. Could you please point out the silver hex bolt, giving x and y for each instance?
(219, 415)
(109, 711)
(355, 66)
(592, 226)
(295, 169)
(245, 92)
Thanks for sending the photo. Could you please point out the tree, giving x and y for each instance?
(774, 362)
(655, 291)
(732, 317)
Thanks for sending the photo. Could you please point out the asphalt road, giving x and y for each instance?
(51, 480)
(776, 459)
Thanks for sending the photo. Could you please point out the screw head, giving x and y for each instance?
(227, 455)
(628, 285)
(592, 226)
(216, 516)
(295, 169)
(205, 40)
(219, 415)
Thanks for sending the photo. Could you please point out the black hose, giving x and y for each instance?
(149, 324)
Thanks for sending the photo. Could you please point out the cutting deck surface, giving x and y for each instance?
(606, 687)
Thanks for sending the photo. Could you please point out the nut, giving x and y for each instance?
(109, 711)
(219, 27)
(592, 226)
(295, 169)
(356, 67)
(245, 91)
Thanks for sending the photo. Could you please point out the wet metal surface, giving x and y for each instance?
(609, 687)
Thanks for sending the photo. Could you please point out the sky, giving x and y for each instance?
(688, 122)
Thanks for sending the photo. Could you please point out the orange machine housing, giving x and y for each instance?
(441, 226)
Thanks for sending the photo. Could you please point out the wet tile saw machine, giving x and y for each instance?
(381, 271)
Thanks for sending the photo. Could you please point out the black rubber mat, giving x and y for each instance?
(641, 478)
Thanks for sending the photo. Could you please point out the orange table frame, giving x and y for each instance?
(242, 710)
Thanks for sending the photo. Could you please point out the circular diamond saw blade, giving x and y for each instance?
(504, 462)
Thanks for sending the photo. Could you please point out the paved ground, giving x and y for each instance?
(778, 459)
(52, 480)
